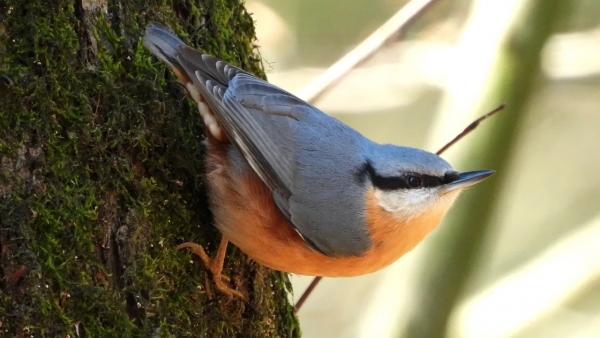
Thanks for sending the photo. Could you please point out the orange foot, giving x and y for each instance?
(215, 266)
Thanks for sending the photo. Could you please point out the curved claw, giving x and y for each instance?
(215, 266)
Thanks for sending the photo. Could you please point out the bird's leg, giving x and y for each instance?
(214, 265)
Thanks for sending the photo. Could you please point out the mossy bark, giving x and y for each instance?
(101, 177)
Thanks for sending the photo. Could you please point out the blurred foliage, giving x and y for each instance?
(449, 263)
(583, 15)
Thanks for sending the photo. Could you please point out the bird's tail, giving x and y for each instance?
(194, 69)
(165, 45)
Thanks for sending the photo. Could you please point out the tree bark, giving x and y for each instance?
(101, 176)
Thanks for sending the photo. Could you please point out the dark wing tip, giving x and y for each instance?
(156, 25)
(162, 42)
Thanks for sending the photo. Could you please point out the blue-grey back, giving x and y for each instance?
(307, 158)
(326, 204)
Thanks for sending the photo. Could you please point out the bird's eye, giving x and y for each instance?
(414, 181)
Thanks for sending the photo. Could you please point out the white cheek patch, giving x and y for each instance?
(406, 203)
(410, 203)
(205, 112)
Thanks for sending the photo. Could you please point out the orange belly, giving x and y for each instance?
(245, 213)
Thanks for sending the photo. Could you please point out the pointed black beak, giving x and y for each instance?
(466, 179)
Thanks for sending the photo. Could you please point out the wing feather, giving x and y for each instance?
(263, 122)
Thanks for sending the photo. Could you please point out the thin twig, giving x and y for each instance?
(464, 133)
(307, 293)
(470, 128)
(361, 53)
(371, 45)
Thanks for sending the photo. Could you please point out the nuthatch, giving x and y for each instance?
(296, 189)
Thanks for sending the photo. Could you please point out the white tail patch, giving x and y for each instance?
(210, 121)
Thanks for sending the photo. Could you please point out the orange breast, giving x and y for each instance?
(245, 213)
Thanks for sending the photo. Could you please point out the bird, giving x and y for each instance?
(296, 189)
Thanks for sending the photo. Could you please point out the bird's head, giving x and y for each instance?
(408, 182)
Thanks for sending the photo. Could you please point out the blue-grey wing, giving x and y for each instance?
(305, 157)
(309, 160)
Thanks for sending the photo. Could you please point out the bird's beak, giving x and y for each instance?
(467, 179)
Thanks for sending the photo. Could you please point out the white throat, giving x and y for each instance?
(407, 204)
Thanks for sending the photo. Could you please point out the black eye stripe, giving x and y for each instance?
(450, 177)
(400, 182)
(431, 181)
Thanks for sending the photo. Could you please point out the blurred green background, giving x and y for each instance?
(519, 256)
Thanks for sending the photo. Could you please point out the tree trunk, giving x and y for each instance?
(101, 176)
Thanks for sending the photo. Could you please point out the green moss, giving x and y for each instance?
(102, 176)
